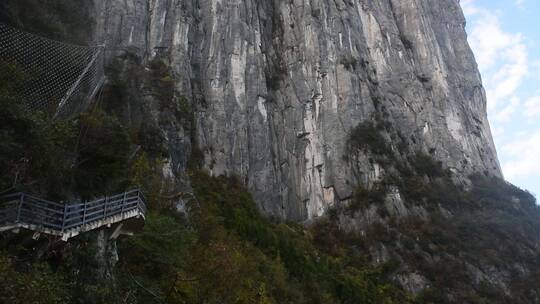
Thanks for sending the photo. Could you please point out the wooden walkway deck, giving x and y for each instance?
(22, 210)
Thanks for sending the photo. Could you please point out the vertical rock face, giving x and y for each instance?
(277, 86)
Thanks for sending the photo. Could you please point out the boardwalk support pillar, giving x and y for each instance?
(117, 231)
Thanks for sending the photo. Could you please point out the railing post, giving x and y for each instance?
(84, 214)
(141, 203)
(18, 219)
(138, 201)
(105, 208)
(123, 205)
(64, 217)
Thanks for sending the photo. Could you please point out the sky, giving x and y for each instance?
(505, 38)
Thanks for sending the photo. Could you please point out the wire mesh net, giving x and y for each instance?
(51, 76)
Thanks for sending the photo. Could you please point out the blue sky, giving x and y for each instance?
(505, 37)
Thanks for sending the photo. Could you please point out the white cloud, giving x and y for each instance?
(523, 153)
(536, 68)
(504, 61)
(488, 39)
(510, 76)
(505, 114)
(520, 3)
(468, 7)
(501, 56)
(497, 132)
(532, 107)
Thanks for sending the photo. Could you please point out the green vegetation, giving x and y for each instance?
(485, 229)
(161, 80)
(23, 283)
(102, 154)
(425, 180)
(66, 20)
(224, 252)
(54, 159)
(366, 197)
(490, 191)
(491, 226)
(33, 153)
(368, 137)
(349, 62)
(89, 156)
(425, 165)
(227, 252)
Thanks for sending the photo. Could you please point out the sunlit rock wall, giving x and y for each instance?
(278, 85)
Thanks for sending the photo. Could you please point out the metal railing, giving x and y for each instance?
(27, 211)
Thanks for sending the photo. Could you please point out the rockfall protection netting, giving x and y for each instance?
(58, 78)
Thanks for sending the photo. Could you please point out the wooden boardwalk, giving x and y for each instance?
(22, 210)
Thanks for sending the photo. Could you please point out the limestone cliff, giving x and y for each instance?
(367, 115)
(277, 87)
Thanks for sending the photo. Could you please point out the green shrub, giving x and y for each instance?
(227, 252)
(349, 62)
(143, 174)
(356, 286)
(65, 20)
(488, 228)
(58, 158)
(161, 80)
(427, 181)
(365, 197)
(425, 165)
(155, 256)
(490, 190)
(367, 137)
(31, 283)
(102, 156)
(35, 155)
